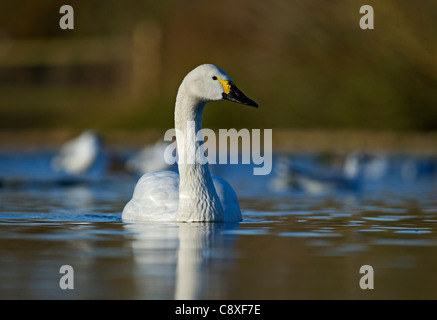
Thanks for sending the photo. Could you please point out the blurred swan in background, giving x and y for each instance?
(193, 194)
(318, 179)
(150, 158)
(78, 156)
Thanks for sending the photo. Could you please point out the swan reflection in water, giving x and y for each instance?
(178, 257)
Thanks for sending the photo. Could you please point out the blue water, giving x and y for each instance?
(292, 243)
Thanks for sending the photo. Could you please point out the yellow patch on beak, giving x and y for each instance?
(226, 85)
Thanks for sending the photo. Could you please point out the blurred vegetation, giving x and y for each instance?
(307, 63)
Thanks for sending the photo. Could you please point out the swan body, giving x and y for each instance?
(193, 195)
(151, 202)
(77, 156)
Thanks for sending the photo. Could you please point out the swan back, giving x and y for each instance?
(155, 198)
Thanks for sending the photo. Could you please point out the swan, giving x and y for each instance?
(149, 158)
(78, 155)
(193, 195)
(319, 180)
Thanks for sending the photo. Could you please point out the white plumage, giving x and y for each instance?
(148, 159)
(154, 201)
(77, 156)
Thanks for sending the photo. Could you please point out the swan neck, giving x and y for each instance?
(198, 199)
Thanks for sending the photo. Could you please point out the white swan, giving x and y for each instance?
(193, 194)
(77, 156)
(149, 158)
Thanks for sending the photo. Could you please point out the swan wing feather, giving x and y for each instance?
(155, 198)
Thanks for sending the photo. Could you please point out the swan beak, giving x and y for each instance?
(232, 93)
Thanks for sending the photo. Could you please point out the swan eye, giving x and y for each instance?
(214, 78)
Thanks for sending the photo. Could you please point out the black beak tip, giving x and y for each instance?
(254, 104)
(241, 99)
(248, 102)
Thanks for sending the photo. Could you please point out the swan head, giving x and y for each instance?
(208, 82)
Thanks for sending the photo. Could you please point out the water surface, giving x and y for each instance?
(290, 245)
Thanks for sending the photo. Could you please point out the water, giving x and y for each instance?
(291, 244)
